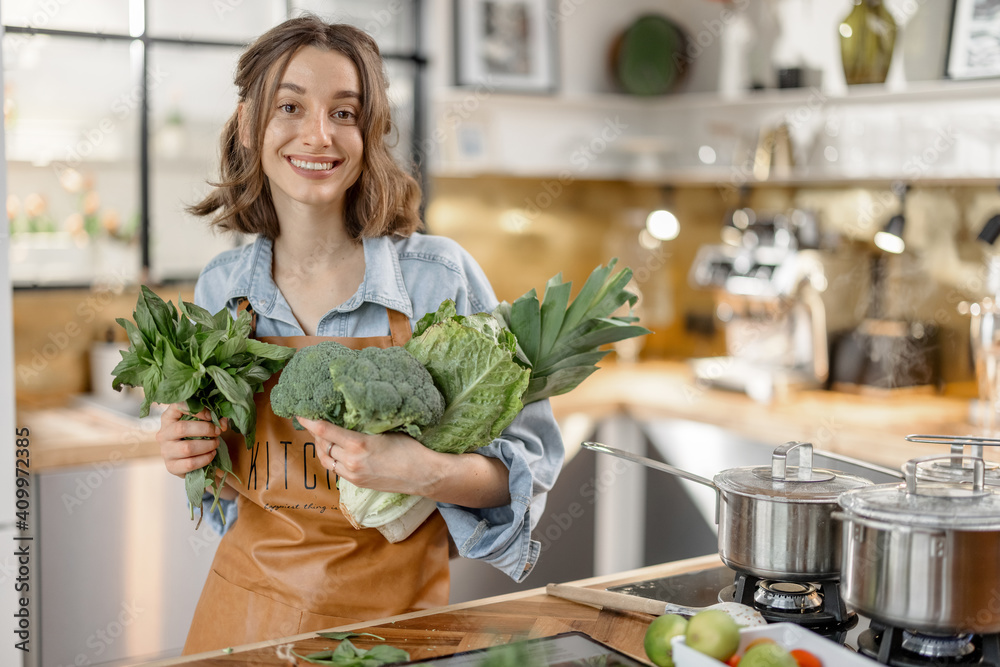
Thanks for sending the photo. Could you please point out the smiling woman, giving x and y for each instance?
(337, 257)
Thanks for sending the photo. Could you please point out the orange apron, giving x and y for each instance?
(292, 563)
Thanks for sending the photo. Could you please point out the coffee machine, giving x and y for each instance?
(768, 278)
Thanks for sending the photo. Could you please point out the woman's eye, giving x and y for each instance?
(288, 108)
(345, 114)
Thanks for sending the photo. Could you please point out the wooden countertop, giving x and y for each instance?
(86, 434)
(864, 426)
(476, 624)
(868, 427)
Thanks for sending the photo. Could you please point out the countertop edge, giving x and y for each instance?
(648, 572)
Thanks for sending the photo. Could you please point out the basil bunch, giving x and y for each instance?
(208, 361)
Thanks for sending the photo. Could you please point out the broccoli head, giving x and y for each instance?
(372, 390)
(304, 388)
(386, 390)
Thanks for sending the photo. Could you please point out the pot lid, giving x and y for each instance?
(920, 503)
(955, 470)
(800, 485)
(938, 471)
(783, 483)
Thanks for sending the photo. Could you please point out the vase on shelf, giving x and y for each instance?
(867, 39)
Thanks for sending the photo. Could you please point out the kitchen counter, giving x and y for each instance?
(868, 427)
(476, 624)
(863, 426)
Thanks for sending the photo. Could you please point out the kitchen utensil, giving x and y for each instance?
(922, 555)
(774, 521)
(741, 613)
(955, 470)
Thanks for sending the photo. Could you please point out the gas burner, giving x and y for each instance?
(788, 596)
(904, 648)
(816, 605)
(935, 646)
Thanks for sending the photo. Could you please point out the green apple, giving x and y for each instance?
(767, 655)
(714, 633)
(658, 636)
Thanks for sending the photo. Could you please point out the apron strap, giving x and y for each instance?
(399, 327)
(244, 304)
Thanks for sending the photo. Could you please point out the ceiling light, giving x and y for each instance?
(663, 225)
(890, 239)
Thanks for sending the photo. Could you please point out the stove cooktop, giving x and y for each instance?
(702, 588)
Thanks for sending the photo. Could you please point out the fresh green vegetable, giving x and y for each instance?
(304, 388)
(348, 655)
(471, 359)
(562, 345)
(373, 390)
(481, 364)
(208, 361)
(386, 390)
(486, 365)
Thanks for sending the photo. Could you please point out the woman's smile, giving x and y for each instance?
(313, 167)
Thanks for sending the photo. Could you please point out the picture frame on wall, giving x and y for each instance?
(974, 49)
(506, 45)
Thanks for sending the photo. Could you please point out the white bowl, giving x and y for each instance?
(789, 636)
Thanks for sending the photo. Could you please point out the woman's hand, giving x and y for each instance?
(182, 456)
(386, 462)
(397, 463)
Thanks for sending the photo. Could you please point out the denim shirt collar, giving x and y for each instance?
(382, 284)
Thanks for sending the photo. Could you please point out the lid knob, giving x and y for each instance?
(779, 460)
(978, 470)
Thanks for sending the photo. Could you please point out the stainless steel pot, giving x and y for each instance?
(923, 555)
(954, 469)
(774, 521)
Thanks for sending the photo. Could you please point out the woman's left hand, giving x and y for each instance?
(385, 462)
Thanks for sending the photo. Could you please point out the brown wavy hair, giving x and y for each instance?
(385, 200)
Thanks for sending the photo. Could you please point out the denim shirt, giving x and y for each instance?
(413, 276)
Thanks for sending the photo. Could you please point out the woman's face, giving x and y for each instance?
(312, 148)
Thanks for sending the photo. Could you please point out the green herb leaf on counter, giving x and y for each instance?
(347, 635)
(348, 655)
(185, 354)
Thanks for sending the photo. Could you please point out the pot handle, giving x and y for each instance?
(651, 463)
(978, 470)
(957, 442)
(779, 460)
(874, 467)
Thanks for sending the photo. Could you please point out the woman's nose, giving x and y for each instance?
(317, 130)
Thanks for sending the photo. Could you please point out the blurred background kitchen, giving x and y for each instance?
(806, 190)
